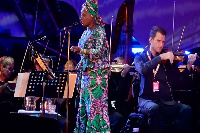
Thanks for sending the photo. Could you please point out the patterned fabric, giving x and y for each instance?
(92, 8)
(93, 107)
(95, 41)
(92, 114)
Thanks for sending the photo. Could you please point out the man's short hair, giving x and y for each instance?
(6, 60)
(156, 29)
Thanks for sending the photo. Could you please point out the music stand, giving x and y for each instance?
(56, 88)
(53, 88)
(49, 88)
(47, 74)
(34, 86)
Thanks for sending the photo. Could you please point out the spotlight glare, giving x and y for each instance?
(187, 52)
(137, 50)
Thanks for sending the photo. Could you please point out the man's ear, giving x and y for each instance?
(150, 40)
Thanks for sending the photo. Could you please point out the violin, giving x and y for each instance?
(178, 58)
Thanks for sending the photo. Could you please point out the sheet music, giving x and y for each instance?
(22, 81)
(72, 82)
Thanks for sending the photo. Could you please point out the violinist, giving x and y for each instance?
(157, 81)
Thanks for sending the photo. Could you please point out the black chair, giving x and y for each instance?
(139, 120)
(136, 122)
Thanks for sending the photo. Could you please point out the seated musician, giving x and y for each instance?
(36, 65)
(157, 82)
(7, 100)
(38, 68)
(61, 102)
(120, 104)
(71, 64)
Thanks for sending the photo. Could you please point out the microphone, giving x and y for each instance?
(71, 26)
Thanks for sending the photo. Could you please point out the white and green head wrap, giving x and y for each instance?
(92, 8)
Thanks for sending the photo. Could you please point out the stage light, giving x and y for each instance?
(137, 50)
(136, 47)
(187, 52)
(134, 40)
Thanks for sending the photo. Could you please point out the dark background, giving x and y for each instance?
(22, 21)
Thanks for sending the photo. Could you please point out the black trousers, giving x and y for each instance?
(160, 112)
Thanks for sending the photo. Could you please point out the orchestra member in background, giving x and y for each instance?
(120, 99)
(61, 102)
(157, 82)
(94, 51)
(70, 65)
(38, 68)
(7, 100)
(36, 65)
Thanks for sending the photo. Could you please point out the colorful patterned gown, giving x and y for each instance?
(92, 114)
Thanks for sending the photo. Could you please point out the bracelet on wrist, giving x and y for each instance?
(84, 51)
(81, 51)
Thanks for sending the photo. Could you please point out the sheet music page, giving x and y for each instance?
(72, 82)
(22, 81)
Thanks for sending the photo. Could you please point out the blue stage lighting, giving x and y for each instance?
(136, 47)
(187, 52)
(137, 50)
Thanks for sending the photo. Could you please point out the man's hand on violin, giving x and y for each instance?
(191, 60)
(167, 56)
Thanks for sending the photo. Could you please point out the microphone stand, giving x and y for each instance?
(44, 78)
(67, 102)
(68, 29)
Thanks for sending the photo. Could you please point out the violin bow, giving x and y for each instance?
(173, 26)
(110, 39)
(180, 39)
